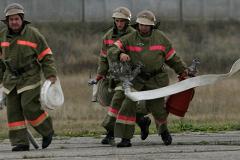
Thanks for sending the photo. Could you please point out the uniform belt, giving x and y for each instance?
(25, 68)
(19, 71)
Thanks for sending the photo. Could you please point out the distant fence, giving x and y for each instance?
(101, 10)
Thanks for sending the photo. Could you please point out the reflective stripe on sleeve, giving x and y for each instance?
(119, 44)
(108, 41)
(103, 53)
(170, 54)
(44, 53)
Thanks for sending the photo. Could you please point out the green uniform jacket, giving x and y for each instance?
(108, 40)
(152, 51)
(28, 52)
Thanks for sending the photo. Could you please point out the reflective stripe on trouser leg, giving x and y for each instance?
(16, 121)
(125, 123)
(33, 112)
(159, 112)
(110, 119)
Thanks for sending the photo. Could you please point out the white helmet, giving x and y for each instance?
(122, 12)
(13, 9)
(146, 17)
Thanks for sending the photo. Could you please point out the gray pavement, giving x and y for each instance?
(186, 146)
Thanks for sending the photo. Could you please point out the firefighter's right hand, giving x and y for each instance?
(124, 57)
(52, 78)
(183, 75)
(95, 80)
(92, 82)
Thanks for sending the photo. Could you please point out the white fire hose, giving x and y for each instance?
(183, 85)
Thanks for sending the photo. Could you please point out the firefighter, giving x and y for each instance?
(121, 17)
(25, 55)
(150, 47)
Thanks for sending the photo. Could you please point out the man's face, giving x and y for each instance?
(144, 29)
(120, 23)
(15, 22)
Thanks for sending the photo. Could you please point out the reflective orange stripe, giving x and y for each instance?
(5, 44)
(16, 124)
(134, 48)
(108, 41)
(44, 53)
(103, 53)
(112, 112)
(170, 54)
(27, 43)
(126, 118)
(157, 48)
(119, 44)
(39, 120)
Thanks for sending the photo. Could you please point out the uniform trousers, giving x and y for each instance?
(23, 109)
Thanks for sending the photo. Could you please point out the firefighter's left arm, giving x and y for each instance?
(113, 53)
(102, 67)
(102, 62)
(118, 49)
(172, 59)
(177, 64)
(45, 57)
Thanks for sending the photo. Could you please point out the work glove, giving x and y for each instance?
(96, 79)
(183, 75)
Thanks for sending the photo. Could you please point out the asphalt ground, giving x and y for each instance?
(185, 146)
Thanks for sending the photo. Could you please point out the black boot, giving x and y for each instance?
(166, 137)
(46, 141)
(109, 138)
(20, 147)
(144, 124)
(124, 143)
